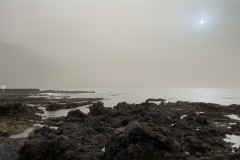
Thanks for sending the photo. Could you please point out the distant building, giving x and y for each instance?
(3, 87)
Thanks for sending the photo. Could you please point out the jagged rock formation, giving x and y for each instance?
(169, 131)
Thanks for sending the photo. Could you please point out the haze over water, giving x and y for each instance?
(124, 43)
(112, 96)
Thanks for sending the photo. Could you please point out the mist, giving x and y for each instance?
(129, 43)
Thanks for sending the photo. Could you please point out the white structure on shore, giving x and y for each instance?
(3, 87)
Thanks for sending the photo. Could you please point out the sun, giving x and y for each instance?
(202, 21)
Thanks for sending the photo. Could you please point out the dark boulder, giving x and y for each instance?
(70, 141)
(141, 141)
(194, 146)
(44, 145)
(98, 109)
(76, 114)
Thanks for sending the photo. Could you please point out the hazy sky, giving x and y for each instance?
(128, 43)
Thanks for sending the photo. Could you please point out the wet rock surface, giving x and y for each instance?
(16, 117)
(140, 132)
(20, 112)
(55, 106)
(12, 109)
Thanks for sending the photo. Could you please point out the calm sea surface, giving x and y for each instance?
(212, 95)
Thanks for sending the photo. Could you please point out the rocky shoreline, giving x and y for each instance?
(165, 131)
(20, 112)
(61, 91)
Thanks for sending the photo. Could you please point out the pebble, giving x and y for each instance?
(9, 148)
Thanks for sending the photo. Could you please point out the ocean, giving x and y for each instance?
(112, 96)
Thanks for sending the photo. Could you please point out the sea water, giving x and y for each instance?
(112, 96)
